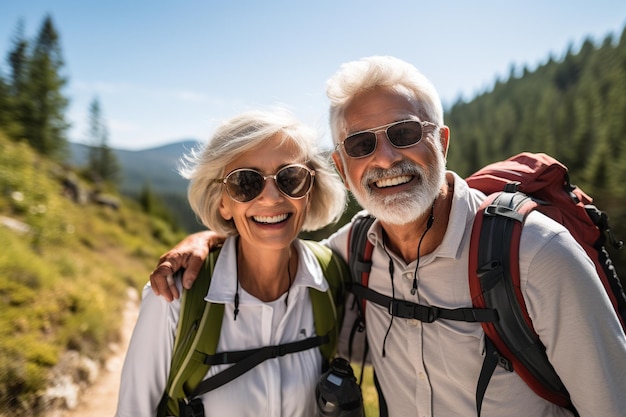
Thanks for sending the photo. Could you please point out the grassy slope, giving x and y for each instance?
(63, 283)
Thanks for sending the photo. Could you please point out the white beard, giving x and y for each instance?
(406, 206)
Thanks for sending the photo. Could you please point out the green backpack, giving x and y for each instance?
(199, 327)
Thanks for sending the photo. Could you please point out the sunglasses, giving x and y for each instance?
(400, 134)
(245, 184)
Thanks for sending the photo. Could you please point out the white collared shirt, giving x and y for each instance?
(284, 386)
(432, 369)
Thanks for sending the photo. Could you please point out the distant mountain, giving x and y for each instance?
(156, 167)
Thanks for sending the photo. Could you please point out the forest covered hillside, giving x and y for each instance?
(153, 169)
(573, 108)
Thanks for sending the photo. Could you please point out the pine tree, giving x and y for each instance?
(16, 104)
(8, 123)
(45, 125)
(18, 60)
(103, 164)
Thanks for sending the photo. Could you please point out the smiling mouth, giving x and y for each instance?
(391, 182)
(271, 219)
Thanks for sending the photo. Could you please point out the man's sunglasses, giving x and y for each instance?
(245, 184)
(401, 134)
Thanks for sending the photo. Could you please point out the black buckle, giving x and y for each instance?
(409, 310)
(282, 350)
(193, 408)
(496, 210)
(505, 363)
(276, 351)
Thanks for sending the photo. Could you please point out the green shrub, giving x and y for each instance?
(63, 282)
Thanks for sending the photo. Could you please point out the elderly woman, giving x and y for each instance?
(260, 180)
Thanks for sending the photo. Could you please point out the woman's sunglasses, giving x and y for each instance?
(401, 134)
(245, 184)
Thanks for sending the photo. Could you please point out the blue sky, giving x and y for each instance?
(171, 70)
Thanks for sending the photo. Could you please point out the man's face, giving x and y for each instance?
(397, 185)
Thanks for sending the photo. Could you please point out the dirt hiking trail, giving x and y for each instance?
(100, 399)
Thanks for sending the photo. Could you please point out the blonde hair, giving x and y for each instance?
(245, 133)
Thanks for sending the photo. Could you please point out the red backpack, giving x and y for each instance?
(514, 187)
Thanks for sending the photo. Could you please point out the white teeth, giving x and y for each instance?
(390, 182)
(270, 219)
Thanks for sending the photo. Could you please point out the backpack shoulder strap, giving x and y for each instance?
(200, 323)
(360, 263)
(360, 249)
(198, 330)
(494, 279)
(328, 307)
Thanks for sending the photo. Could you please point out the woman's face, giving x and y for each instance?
(271, 220)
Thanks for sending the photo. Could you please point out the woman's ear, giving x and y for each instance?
(225, 210)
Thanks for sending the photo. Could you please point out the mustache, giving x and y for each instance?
(401, 168)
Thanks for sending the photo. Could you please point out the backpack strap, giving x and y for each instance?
(359, 260)
(245, 360)
(326, 328)
(199, 328)
(198, 331)
(603, 262)
(409, 310)
(494, 280)
(360, 252)
(337, 275)
(360, 263)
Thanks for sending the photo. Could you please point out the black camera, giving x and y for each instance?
(337, 392)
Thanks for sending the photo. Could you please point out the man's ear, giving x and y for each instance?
(340, 168)
(444, 138)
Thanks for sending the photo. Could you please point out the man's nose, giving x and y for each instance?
(385, 154)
